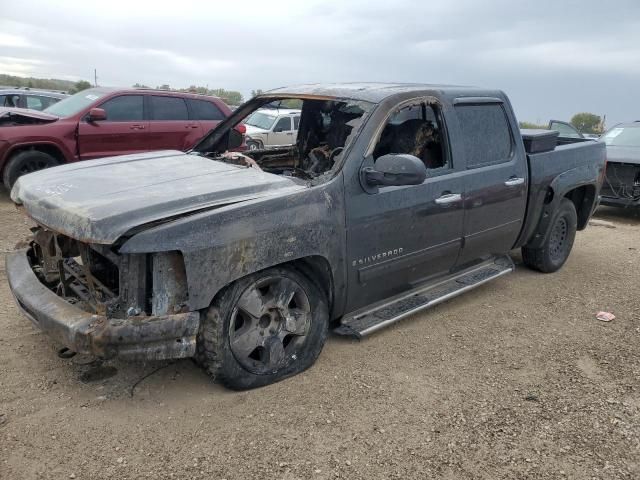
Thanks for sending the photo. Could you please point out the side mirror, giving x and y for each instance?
(97, 114)
(396, 170)
(278, 130)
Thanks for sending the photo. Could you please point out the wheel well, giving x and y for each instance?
(52, 150)
(318, 270)
(583, 198)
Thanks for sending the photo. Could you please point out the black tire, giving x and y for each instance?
(254, 145)
(224, 334)
(25, 162)
(555, 250)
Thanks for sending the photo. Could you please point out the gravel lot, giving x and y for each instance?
(516, 379)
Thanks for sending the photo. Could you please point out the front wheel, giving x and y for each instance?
(26, 162)
(555, 250)
(254, 145)
(263, 328)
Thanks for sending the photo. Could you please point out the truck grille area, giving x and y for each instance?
(622, 181)
(85, 275)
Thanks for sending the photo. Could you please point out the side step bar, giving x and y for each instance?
(382, 314)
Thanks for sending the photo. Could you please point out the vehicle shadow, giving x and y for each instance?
(629, 216)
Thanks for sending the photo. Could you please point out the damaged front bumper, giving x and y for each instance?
(137, 338)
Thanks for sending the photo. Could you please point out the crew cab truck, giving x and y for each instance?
(101, 122)
(392, 199)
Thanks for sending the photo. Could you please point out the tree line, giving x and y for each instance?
(584, 122)
(56, 84)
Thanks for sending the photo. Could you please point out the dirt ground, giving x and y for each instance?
(514, 380)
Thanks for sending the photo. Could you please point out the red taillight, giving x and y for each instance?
(241, 128)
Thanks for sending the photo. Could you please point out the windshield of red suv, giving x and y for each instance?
(76, 103)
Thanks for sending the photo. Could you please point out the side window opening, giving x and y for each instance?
(296, 122)
(415, 130)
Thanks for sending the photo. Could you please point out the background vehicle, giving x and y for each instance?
(393, 198)
(566, 130)
(269, 127)
(621, 186)
(100, 122)
(27, 98)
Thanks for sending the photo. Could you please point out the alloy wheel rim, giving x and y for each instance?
(269, 324)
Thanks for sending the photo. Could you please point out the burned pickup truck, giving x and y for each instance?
(392, 199)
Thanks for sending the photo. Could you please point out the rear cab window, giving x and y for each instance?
(485, 134)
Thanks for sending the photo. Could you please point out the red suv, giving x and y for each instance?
(102, 122)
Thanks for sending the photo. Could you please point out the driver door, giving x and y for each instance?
(398, 237)
(124, 131)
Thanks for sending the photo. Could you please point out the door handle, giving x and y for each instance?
(136, 126)
(514, 181)
(191, 125)
(449, 198)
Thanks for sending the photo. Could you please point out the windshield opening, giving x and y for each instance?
(75, 103)
(623, 137)
(307, 144)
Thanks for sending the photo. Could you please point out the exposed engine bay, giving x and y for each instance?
(324, 131)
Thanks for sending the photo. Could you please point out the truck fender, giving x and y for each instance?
(559, 187)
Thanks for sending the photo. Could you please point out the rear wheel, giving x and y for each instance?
(26, 162)
(554, 252)
(263, 328)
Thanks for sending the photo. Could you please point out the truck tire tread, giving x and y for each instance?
(541, 258)
(213, 353)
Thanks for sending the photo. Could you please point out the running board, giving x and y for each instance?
(391, 310)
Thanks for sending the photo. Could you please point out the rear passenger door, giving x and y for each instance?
(170, 127)
(496, 179)
(206, 113)
(124, 131)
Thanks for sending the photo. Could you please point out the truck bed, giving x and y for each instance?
(576, 163)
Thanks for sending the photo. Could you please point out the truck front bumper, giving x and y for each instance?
(134, 338)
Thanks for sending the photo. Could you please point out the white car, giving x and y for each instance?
(272, 128)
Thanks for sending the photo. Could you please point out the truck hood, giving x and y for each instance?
(9, 116)
(623, 154)
(99, 201)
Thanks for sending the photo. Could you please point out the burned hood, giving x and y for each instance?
(99, 201)
(10, 115)
(620, 154)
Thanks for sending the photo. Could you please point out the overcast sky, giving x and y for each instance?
(553, 58)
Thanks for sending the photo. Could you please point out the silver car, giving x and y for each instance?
(272, 128)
